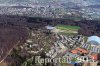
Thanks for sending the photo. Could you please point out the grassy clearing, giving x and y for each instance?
(64, 27)
(67, 30)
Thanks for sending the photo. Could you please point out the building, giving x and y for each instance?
(94, 40)
(80, 51)
(94, 56)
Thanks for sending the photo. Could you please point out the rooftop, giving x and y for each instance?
(94, 38)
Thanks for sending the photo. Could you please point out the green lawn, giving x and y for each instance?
(65, 27)
(65, 33)
(67, 30)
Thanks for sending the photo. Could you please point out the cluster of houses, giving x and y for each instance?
(75, 47)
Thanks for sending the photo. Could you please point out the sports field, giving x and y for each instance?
(65, 27)
(67, 30)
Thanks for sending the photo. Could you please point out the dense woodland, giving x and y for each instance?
(88, 27)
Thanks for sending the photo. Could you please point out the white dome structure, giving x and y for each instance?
(94, 39)
(49, 27)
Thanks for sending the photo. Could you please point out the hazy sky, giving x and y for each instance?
(27, 1)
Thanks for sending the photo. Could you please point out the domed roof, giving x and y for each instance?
(49, 27)
(94, 38)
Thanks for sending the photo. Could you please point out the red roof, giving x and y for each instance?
(80, 50)
(74, 51)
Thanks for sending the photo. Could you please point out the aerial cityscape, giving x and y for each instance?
(49, 33)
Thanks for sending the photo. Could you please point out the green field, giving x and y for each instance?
(67, 30)
(64, 27)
